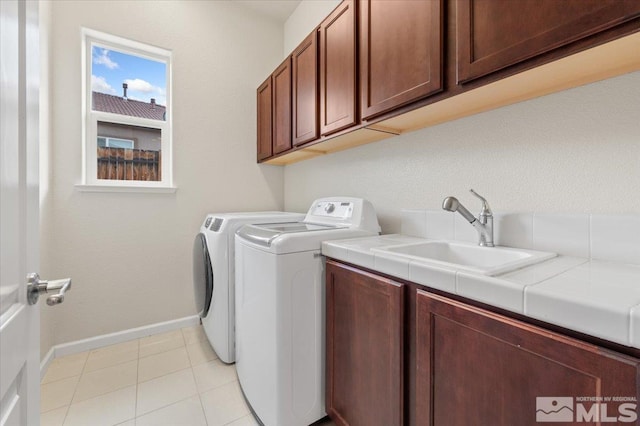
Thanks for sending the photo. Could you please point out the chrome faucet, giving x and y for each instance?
(484, 222)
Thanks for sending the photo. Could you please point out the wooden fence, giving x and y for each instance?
(129, 164)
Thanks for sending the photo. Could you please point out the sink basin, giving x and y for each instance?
(468, 257)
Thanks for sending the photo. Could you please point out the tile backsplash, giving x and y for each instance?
(613, 238)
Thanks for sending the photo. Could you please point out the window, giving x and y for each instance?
(127, 114)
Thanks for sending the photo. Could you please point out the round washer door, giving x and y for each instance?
(202, 275)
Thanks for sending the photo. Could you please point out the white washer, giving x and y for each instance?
(214, 276)
(280, 308)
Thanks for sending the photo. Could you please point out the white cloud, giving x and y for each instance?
(99, 84)
(139, 85)
(142, 90)
(103, 58)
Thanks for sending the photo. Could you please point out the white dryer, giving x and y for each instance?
(280, 308)
(214, 276)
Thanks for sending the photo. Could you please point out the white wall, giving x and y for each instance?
(303, 20)
(574, 151)
(130, 254)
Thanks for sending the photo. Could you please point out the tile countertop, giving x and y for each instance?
(597, 298)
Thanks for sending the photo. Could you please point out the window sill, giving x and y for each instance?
(123, 188)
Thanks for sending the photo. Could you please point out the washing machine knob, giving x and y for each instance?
(330, 208)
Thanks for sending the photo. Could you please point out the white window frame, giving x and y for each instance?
(90, 118)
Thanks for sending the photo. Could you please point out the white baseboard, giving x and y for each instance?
(113, 338)
(44, 364)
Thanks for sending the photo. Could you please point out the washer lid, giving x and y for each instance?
(264, 234)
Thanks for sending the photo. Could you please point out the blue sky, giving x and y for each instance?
(146, 78)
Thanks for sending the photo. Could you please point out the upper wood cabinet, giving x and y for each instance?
(475, 364)
(281, 109)
(492, 35)
(400, 53)
(305, 91)
(265, 149)
(338, 86)
(376, 68)
(365, 315)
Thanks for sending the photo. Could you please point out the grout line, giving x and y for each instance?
(108, 366)
(84, 365)
(66, 413)
(166, 374)
(169, 405)
(135, 405)
(533, 231)
(204, 413)
(162, 352)
(75, 389)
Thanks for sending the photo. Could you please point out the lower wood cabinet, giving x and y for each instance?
(400, 355)
(365, 326)
(478, 367)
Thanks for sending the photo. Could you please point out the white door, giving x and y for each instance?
(19, 321)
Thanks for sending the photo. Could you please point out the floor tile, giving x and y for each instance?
(105, 380)
(201, 352)
(161, 343)
(65, 367)
(193, 334)
(213, 374)
(53, 417)
(112, 355)
(158, 365)
(224, 404)
(248, 420)
(165, 390)
(57, 394)
(108, 409)
(186, 412)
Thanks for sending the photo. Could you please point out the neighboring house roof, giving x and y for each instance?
(119, 105)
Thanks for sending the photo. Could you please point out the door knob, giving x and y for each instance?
(36, 287)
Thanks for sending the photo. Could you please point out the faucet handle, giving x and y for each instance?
(486, 210)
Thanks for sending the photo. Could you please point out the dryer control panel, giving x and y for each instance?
(337, 209)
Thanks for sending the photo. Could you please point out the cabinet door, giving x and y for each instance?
(264, 120)
(400, 53)
(364, 348)
(338, 69)
(474, 364)
(494, 34)
(281, 78)
(305, 90)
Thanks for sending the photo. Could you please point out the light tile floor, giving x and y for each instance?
(172, 378)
